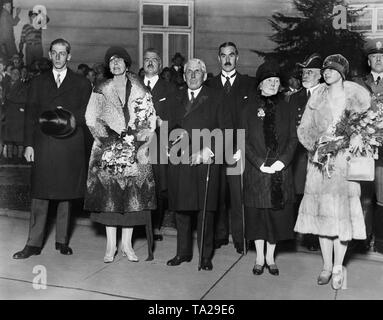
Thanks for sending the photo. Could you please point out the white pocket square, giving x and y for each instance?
(245, 97)
(163, 99)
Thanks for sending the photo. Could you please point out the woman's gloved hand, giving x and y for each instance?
(266, 169)
(277, 166)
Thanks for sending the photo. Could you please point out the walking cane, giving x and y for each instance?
(243, 211)
(204, 216)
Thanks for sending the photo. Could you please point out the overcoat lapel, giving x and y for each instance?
(66, 85)
(198, 101)
(369, 81)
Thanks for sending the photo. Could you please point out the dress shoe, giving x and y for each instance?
(324, 277)
(130, 254)
(258, 269)
(273, 269)
(177, 260)
(108, 258)
(64, 248)
(27, 252)
(158, 237)
(206, 264)
(339, 278)
(219, 243)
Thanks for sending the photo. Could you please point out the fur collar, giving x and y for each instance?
(106, 108)
(318, 115)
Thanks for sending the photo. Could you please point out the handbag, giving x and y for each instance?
(361, 169)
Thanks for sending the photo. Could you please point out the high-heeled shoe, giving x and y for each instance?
(130, 254)
(110, 258)
(339, 277)
(273, 269)
(258, 269)
(324, 277)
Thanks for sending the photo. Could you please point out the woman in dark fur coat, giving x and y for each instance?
(268, 181)
(114, 114)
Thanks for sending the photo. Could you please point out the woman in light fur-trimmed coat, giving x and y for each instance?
(118, 200)
(331, 207)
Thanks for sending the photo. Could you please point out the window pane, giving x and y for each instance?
(179, 16)
(178, 43)
(153, 15)
(362, 21)
(153, 40)
(380, 19)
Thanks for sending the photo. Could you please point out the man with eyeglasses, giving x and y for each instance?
(163, 97)
(199, 108)
(311, 77)
(57, 153)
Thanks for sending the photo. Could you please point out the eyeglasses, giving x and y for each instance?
(197, 72)
(151, 59)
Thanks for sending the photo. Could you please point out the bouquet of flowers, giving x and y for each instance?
(120, 158)
(366, 129)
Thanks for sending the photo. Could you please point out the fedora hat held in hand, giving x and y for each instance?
(58, 123)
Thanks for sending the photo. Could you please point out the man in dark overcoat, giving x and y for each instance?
(373, 82)
(58, 164)
(163, 97)
(311, 77)
(199, 108)
(234, 89)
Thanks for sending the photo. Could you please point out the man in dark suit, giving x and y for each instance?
(58, 169)
(199, 108)
(163, 97)
(311, 77)
(373, 82)
(234, 89)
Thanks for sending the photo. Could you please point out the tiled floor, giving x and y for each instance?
(84, 275)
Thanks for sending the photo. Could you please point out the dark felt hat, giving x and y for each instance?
(58, 123)
(374, 46)
(313, 61)
(338, 63)
(120, 52)
(268, 69)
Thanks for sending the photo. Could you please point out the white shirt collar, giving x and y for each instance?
(196, 92)
(62, 74)
(230, 74)
(376, 75)
(313, 88)
(153, 81)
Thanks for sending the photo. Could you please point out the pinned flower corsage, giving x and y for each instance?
(261, 113)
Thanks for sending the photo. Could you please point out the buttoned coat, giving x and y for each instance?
(239, 93)
(256, 184)
(58, 170)
(186, 183)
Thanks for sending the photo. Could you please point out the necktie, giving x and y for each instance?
(148, 86)
(192, 97)
(377, 80)
(191, 101)
(227, 85)
(308, 94)
(58, 81)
